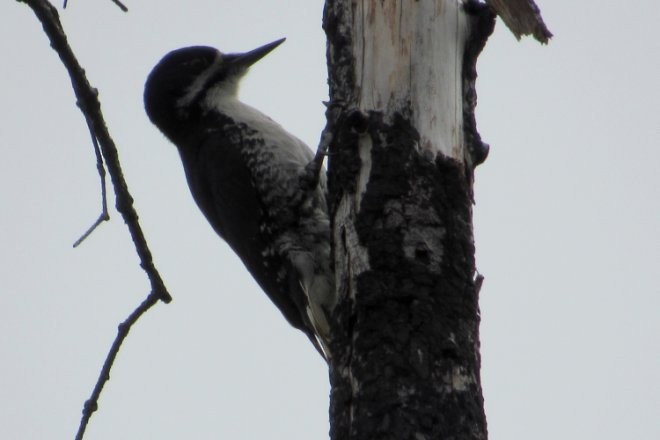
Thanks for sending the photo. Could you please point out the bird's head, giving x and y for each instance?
(180, 83)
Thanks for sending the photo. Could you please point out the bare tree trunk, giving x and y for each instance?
(403, 146)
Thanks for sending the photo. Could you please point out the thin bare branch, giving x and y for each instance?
(121, 5)
(117, 2)
(104, 147)
(91, 108)
(92, 403)
(104, 216)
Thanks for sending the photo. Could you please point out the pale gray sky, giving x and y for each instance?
(567, 225)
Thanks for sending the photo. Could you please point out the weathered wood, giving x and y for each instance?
(409, 61)
(522, 17)
(402, 138)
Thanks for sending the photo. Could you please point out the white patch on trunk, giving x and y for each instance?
(351, 257)
(458, 380)
(410, 54)
(364, 149)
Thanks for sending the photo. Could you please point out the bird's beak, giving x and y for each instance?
(245, 60)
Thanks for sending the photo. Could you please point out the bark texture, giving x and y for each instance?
(405, 351)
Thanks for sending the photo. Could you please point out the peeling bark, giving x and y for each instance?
(402, 151)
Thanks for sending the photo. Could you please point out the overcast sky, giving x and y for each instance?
(567, 225)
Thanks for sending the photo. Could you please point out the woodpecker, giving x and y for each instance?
(250, 179)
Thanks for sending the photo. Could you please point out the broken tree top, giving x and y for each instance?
(522, 17)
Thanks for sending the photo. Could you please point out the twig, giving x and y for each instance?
(312, 172)
(478, 282)
(117, 2)
(92, 403)
(104, 216)
(121, 5)
(91, 108)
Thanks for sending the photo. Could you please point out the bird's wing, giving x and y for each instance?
(224, 189)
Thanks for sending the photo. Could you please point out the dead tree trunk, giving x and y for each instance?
(402, 150)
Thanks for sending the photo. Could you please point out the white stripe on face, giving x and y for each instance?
(200, 82)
